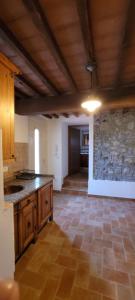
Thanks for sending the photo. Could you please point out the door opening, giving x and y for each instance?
(78, 149)
(78, 153)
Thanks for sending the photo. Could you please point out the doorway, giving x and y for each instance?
(78, 149)
(78, 152)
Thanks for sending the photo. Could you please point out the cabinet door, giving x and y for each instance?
(44, 204)
(7, 112)
(27, 225)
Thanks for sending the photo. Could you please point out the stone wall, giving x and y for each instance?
(114, 145)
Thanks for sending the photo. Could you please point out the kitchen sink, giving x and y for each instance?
(11, 189)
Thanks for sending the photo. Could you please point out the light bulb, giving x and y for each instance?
(91, 105)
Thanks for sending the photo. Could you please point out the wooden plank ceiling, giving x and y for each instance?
(52, 41)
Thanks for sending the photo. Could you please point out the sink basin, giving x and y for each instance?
(11, 189)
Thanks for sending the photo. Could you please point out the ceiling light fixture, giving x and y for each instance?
(92, 102)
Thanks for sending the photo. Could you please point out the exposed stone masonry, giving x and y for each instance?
(114, 145)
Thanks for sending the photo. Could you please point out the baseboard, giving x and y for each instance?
(111, 197)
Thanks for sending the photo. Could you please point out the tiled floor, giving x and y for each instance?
(77, 182)
(87, 253)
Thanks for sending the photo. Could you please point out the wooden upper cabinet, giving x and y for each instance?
(7, 73)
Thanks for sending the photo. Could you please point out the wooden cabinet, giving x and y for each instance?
(45, 207)
(30, 215)
(27, 222)
(7, 71)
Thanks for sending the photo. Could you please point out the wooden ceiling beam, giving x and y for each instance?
(65, 115)
(55, 116)
(47, 116)
(26, 84)
(12, 41)
(19, 93)
(40, 20)
(72, 103)
(86, 28)
(76, 114)
(125, 38)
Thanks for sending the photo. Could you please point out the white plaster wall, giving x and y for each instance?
(54, 128)
(21, 129)
(109, 188)
(7, 253)
(53, 145)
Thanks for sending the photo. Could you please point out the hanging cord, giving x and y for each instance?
(91, 81)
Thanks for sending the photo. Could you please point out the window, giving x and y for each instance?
(37, 164)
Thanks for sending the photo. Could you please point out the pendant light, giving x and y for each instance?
(92, 102)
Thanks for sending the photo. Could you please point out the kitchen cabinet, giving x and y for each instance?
(44, 205)
(28, 221)
(30, 215)
(7, 72)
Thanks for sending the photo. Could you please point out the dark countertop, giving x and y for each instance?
(29, 187)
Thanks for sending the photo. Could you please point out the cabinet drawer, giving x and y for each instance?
(28, 200)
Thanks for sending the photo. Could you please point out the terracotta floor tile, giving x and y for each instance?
(105, 287)
(83, 294)
(128, 245)
(103, 243)
(33, 280)
(21, 266)
(87, 253)
(95, 264)
(66, 261)
(51, 270)
(124, 293)
(133, 284)
(80, 255)
(66, 284)
(77, 241)
(82, 275)
(50, 289)
(127, 267)
(107, 228)
(37, 260)
(116, 276)
(107, 298)
(108, 258)
(112, 238)
(130, 257)
(119, 250)
(27, 293)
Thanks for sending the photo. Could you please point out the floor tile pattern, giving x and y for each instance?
(77, 182)
(86, 253)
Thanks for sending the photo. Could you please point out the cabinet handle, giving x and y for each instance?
(46, 202)
(29, 224)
